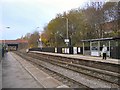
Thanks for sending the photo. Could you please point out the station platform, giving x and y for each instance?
(78, 56)
(19, 73)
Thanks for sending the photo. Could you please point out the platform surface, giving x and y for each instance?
(15, 76)
(19, 73)
(78, 56)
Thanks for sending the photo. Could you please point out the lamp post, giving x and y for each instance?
(4, 35)
(5, 40)
(40, 40)
(67, 37)
(67, 41)
(67, 27)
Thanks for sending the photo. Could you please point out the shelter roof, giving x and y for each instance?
(101, 39)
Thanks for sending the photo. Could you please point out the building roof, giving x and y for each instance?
(13, 41)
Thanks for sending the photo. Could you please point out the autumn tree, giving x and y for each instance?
(93, 21)
(33, 39)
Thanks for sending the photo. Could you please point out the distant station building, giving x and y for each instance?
(14, 44)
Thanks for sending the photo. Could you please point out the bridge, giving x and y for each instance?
(14, 44)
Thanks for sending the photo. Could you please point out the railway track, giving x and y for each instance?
(60, 77)
(101, 77)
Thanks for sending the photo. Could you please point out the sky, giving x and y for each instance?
(24, 16)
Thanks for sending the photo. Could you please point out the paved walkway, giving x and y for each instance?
(19, 73)
(43, 78)
(15, 76)
(99, 59)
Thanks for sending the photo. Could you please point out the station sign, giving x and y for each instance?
(40, 39)
(66, 40)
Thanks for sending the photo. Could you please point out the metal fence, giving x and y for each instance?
(64, 50)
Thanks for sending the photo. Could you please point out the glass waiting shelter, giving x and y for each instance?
(96, 45)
